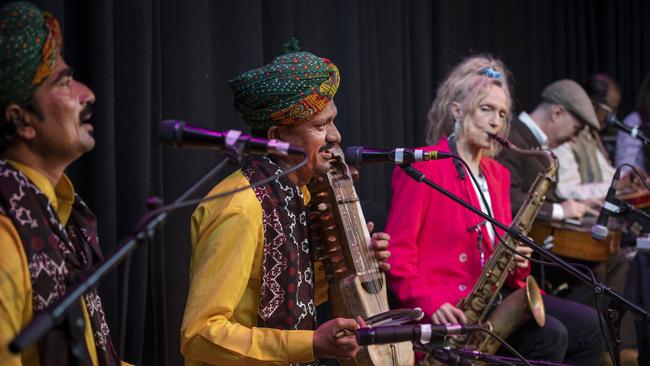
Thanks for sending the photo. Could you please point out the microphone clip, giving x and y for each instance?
(234, 147)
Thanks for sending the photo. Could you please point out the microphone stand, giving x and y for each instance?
(47, 319)
(617, 304)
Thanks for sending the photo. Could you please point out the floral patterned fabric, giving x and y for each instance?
(30, 41)
(290, 90)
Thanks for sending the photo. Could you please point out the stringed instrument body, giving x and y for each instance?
(575, 241)
(356, 285)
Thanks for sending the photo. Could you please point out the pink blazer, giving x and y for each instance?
(435, 253)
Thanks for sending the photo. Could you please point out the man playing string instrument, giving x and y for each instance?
(254, 286)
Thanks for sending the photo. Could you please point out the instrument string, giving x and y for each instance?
(364, 242)
(352, 223)
(351, 228)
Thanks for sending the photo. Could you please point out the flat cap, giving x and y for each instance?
(573, 97)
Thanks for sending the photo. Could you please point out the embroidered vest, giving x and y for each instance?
(56, 255)
(287, 293)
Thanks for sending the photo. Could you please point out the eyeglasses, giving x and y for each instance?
(604, 107)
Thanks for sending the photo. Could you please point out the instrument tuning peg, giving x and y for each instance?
(323, 206)
(323, 258)
(336, 259)
(333, 248)
(330, 228)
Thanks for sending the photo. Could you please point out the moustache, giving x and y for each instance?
(325, 147)
(86, 113)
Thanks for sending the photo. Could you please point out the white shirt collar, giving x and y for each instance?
(540, 136)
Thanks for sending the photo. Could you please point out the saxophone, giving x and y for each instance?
(523, 303)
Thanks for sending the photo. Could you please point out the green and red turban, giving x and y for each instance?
(30, 41)
(289, 91)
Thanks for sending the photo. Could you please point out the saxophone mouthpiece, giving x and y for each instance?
(500, 139)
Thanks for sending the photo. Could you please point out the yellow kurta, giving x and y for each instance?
(225, 282)
(15, 283)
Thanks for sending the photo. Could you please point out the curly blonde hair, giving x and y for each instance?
(467, 84)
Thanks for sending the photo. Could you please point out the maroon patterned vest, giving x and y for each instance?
(57, 255)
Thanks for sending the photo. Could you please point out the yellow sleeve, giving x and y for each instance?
(227, 237)
(15, 294)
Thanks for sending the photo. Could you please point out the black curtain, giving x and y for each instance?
(149, 60)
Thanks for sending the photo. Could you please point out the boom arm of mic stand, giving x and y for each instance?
(49, 318)
(599, 288)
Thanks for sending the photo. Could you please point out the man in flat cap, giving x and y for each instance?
(585, 170)
(48, 236)
(254, 289)
(564, 111)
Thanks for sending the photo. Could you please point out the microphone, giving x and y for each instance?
(422, 333)
(599, 231)
(179, 134)
(358, 155)
(611, 120)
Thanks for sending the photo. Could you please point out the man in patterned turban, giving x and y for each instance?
(254, 287)
(48, 236)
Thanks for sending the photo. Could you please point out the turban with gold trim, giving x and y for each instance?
(289, 91)
(30, 41)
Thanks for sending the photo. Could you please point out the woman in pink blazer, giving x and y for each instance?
(438, 247)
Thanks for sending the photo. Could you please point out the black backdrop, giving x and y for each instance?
(147, 60)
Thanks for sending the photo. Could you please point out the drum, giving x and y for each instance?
(575, 241)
